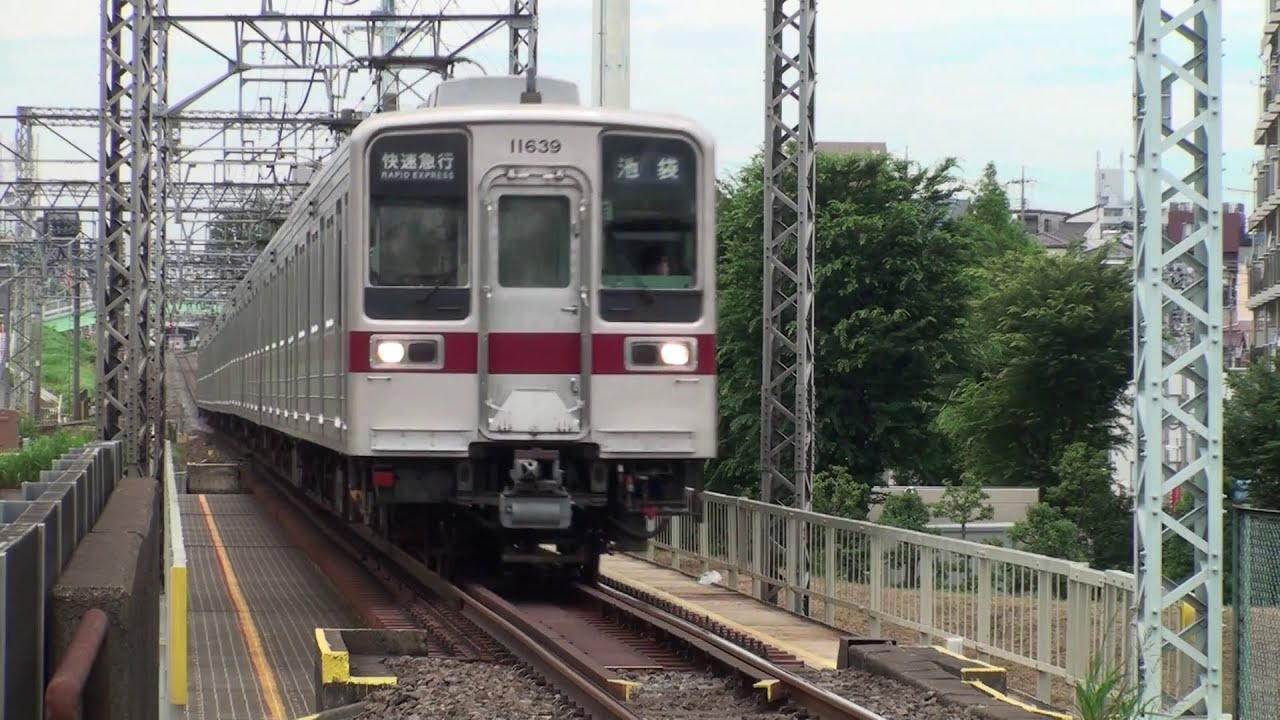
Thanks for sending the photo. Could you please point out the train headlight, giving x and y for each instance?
(659, 354)
(390, 351)
(674, 353)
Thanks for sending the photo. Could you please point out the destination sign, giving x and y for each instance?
(640, 160)
(428, 163)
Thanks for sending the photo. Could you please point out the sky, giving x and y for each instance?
(1043, 86)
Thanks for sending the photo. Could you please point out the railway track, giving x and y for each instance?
(591, 643)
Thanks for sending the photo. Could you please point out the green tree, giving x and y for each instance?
(907, 511)
(990, 223)
(889, 278)
(1051, 360)
(1251, 442)
(964, 503)
(836, 492)
(1085, 495)
(1047, 532)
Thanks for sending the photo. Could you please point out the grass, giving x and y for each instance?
(56, 364)
(25, 465)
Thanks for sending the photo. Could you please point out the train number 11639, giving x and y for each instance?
(535, 147)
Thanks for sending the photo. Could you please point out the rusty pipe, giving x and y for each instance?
(65, 692)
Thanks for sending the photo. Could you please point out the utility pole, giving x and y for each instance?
(611, 53)
(1022, 192)
(388, 87)
(77, 409)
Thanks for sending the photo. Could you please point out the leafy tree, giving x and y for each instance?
(964, 503)
(1047, 532)
(1084, 495)
(1052, 354)
(889, 279)
(905, 510)
(836, 492)
(990, 223)
(1250, 441)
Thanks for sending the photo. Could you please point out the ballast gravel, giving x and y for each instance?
(696, 696)
(446, 689)
(884, 696)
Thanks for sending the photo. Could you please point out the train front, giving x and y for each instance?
(592, 296)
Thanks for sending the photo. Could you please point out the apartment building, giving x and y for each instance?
(1264, 221)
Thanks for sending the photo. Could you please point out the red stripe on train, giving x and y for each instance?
(528, 353)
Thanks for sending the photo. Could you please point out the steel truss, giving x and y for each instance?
(127, 210)
(19, 377)
(140, 156)
(1185, 279)
(787, 392)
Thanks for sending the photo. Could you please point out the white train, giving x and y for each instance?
(487, 325)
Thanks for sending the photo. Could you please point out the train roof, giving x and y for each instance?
(499, 102)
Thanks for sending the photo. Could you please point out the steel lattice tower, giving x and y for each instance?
(523, 33)
(787, 388)
(1173, 50)
(127, 372)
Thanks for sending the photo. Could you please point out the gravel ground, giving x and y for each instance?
(440, 689)
(883, 696)
(697, 696)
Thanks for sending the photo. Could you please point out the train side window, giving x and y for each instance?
(534, 241)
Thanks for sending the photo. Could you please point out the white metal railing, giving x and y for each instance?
(1052, 616)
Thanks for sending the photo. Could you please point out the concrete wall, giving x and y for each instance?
(1008, 504)
(38, 534)
(116, 568)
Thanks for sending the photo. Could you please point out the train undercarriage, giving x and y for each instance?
(503, 507)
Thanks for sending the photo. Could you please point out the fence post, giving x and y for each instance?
(829, 573)
(1044, 626)
(876, 582)
(984, 602)
(732, 549)
(928, 575)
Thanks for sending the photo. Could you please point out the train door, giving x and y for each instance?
(535, 342)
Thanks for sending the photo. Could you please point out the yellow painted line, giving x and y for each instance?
(1014, 701)
(178, 635)
(373, 680)
(626, 685)
(770, 688)
(261, 668)
(985, 666)
(814, 660)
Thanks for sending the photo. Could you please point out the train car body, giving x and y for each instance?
(486, 326)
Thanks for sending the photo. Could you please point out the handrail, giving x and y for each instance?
(64, 696)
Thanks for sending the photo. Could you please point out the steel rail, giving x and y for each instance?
(821, 703)
(562, 667)
(487, 612)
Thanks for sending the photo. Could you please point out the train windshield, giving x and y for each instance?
(650, 202)
(418, 243)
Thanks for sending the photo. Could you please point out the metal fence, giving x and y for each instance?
(37, 537)
(880, 581)
(1256, 598)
